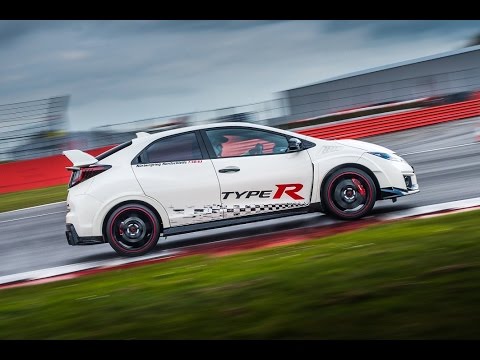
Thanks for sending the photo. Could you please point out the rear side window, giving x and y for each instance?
(174, 148)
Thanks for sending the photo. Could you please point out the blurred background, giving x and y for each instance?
(46, 126)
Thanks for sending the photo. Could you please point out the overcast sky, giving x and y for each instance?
(119, 71)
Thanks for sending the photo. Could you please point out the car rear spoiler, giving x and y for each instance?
(79, 158)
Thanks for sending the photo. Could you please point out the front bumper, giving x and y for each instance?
(73, 238)
(411, 187)
(391, 193)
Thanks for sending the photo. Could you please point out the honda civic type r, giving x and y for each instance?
(210, 176)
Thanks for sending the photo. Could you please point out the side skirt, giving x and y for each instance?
(240, 220)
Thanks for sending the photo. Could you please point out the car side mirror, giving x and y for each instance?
(294, 144)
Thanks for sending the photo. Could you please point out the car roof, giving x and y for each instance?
(144, 138)
(165, 133)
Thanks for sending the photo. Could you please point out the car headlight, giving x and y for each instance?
(387, 156)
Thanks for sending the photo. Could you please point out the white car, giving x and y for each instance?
(210, 176)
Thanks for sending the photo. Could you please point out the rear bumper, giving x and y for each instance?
(73, 238)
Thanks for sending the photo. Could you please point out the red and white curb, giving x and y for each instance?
(227, 247)
(429, 209)
(73, 269)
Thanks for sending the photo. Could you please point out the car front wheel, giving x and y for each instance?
(132, 230)
(349, 193)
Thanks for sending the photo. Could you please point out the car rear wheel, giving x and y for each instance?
(349, 193)
(133, 230)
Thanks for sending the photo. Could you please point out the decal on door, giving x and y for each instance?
(285, 190)
(197, 214)
(194, 214)
(235, 210)
(185, 162)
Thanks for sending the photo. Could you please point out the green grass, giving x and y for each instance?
(23, 199)
(409, 280)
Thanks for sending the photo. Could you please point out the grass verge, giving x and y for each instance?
(23, 199)
(408, 280)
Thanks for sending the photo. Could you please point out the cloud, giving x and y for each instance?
(403, 29)
(126, 70)
(135, 27)
(12, 31)
(75, 55)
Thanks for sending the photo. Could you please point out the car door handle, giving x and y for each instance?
(229, 169)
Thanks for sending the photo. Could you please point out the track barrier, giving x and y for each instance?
(50, 171)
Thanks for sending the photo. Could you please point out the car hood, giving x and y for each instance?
(362, 145)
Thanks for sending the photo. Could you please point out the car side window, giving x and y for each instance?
(233, 142)
(173, 148)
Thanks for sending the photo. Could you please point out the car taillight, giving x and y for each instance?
(85, 173)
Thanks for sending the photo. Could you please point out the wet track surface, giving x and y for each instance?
(34, 239)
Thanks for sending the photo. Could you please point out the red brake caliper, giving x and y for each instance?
(359, 186)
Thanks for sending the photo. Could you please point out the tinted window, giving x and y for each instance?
(174, 148)
(230, 142)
